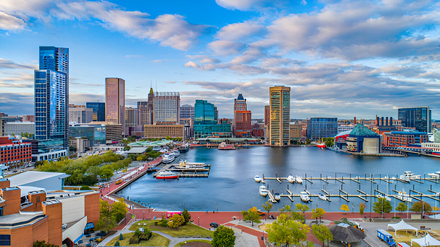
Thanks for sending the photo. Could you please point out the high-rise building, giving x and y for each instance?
(52, 96)
(319, 127)
(242, 118)
(80, 114)
(98, 110)
(115, 101)
(131, 117)
(279, 125)
(416, 117)
(266, 115)
(187, 111)
(206, 121)
(166, 108)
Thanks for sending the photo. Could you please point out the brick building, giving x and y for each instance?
(14, 152)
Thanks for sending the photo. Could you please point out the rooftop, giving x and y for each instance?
(149, 144)
(360, 130)
(137, 150)
(20, 219)
(33, 176)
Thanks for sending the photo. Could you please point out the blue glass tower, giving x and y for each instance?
(206, 121)
(98, 110)
(52, 97)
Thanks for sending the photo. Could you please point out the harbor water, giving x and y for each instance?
(231, 185)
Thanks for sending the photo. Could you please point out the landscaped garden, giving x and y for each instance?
(155, 240)
(188, 230)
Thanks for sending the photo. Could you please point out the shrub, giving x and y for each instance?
(121, 237)
(84, 187)
(134, 240)
(117, 243)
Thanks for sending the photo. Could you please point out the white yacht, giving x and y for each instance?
(163, 150)
(407, 175)
(257, 178)
(322, 197)
(175, 153)
(304, 196)
(403, 196)
(166, 158)
(435, 175)
(277, 196)
(263, 190)
(298, 179)
(291, 179)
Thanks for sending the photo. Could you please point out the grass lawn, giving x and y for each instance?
(188, 230)
(191, 241)
(155, 240)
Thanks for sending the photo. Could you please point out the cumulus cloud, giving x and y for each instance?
(226, 47)
(239, 4)
(191, 64)
(9, 22)
(238, 31)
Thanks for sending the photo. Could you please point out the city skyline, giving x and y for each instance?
(341, 59)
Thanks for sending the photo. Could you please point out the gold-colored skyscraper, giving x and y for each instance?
(279, 126)
(115, 101)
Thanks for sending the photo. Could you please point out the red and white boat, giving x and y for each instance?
(224, 146)
(166, 175)
(321, 145)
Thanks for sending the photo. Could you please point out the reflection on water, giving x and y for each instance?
(231, 186)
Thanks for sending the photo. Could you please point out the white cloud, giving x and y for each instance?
(225, 47)
(238, 31)
(35, 8)
(192, 64)
(239, 4)
(9, 22)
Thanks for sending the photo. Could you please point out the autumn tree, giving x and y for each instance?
(223, 237)
(422, 207)
(252, 215)
(268, 206)
(322, 233)
(382, 205)
(318, 213)
(285, 230)
(361, 208)
(175, 221)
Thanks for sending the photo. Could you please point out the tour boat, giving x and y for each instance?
(166, 158)
(166, 175)
(304, 196)
(257, 178)
(436, 153)
(277, 196)
(224, 146)
(175, 153)
(407, 175)
(298, 179)
(263, 190)
(184, 148)
(322, 197)
(291, 179)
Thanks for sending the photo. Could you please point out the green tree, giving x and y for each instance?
(85, 187)
(106, 172)
(287, 231)
(119, 209)
(126, 148)
(322, 233)
(268, 206)
(186, 216)
(121, 237)
(361, 208)
(117, 243)
(421, 207)
(402, 207)
(382, 205)
(223, 237)
(105, 223)
(43, 244)
(252, 215)
(318, 213)
(301, 207)
(175, 221)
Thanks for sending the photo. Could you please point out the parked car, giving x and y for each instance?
(213, 224)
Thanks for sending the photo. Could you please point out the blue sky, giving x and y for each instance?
(341, 58)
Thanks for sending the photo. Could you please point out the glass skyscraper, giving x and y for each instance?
(98, 110)
(416, 117)
(52, 97)
(206, 121)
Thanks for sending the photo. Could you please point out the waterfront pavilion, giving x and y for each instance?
(150, 144)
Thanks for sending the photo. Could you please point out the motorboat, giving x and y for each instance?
(175, 153)
(290, 179)
(434, 175)
(184, 148)
(322, 197)
(163, 150)
(304, 196)
(224, 146)
(257, 178)
(298, 179)
(277, 196)
(263, 190)
(408, 175)
(167, 158)
(166, 175)
(403, 196)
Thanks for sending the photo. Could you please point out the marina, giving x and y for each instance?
(232, 186)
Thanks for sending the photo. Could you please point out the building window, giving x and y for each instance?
(5, 240)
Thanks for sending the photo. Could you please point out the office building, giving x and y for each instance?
(98, 110)
(115, 101)
(267, 115)
(52, 96)
(409, 138)
(188, 127)
(416, 117)
(19, 128)
(162, 131)
(242, 118)
(319, 127)
(187, 111)
(14, 152)
(28, 118)
(166, 108)
(131, 117)
(295, 132)
(80, 114)
(279, 125)
(206, 121)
